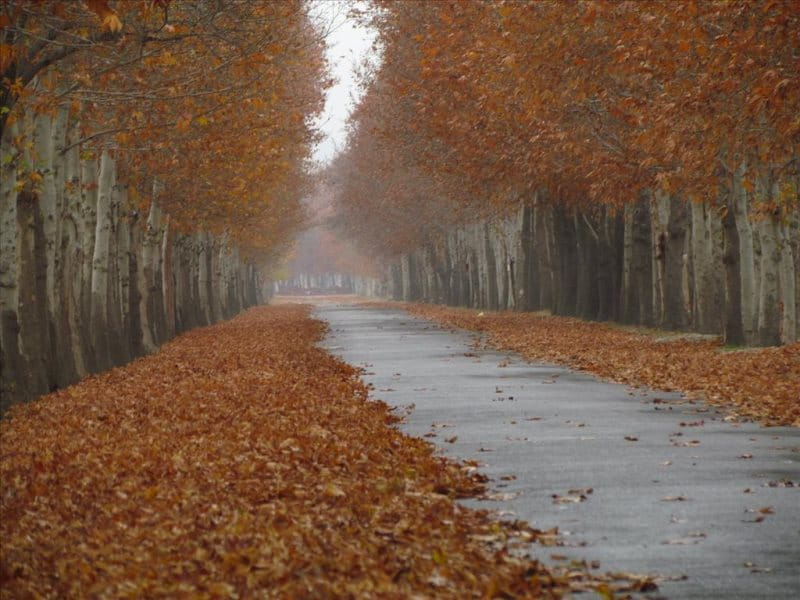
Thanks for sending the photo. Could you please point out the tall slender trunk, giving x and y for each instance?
(88, 217)
(123, 244)
(492, 295)
(705, 309)
(788, 281)
(117, 341)
(153, 245)
(146, 278)
(659, 243)
(643, 251)
(769, 310)
(204, 277)
(746, 254)
(65, 357)
(32, 308)
(13, 380)
(168, 280)
(675, 304)
(72, 233)
(542, 238)
(137, 293)
(44, 141)
(100, 264)
(217, 258)
(628, 299)
(733, 323)
(31, 273)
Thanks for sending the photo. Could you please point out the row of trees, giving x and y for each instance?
(643, 159)
(153, 161)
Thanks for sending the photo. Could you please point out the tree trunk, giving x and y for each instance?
(123, 245)
(746, 255)
(72, 239)
(168, 280)
(705, 310)
(88, 219)
(788, 278)
(146, 278)
(675, 313)
(769, 310)
(733, 323)
(659, 243)
(33, 341)
(204, 277)
(13, 382)
(544, 256)
(643, 263)
(153, 244)
(65, 356)
(99, 325)
(44, 140)
(137, 299)
(216, 286)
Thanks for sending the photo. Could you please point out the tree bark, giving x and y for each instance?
(733, 324)
(675, 304)
(72, 240)
(168, 280)
(705, 309)
(746, 255)
(659, 243)
(88, 218)
(769, 310)
(99, 311)
(146, 278)
(123, 245)
(13, 380)
(788, 285)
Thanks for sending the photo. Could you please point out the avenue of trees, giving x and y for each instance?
(631, 161)
(153, 160)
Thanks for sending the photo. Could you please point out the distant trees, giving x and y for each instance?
(651, 147)
(153, 160)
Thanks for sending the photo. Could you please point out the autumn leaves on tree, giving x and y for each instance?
(635, 161)
(153, 160)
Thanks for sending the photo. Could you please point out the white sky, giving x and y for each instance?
(348, 45)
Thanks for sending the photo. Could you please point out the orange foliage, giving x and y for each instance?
(213, 100)
(478, 104)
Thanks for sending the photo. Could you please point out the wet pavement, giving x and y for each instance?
(639, 480)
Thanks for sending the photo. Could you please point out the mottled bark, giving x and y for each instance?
(99, 308)
(13, 374)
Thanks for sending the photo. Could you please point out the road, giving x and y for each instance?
(639, 480)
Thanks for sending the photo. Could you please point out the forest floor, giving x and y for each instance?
(761, 384)
(244, 457)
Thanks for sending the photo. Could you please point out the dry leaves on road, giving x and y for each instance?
(763, 384)
(243, 460)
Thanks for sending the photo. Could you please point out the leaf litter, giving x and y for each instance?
(759, 384)
(243, 460)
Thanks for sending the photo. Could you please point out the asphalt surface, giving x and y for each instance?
(676, 489)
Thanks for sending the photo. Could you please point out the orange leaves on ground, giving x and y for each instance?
(242, 457)
(760, 384)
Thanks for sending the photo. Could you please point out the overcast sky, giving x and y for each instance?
(348, 45)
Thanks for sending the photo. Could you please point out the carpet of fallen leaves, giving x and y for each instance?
(242, 460)
(761, 384)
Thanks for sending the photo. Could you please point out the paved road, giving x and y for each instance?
(675, 489)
